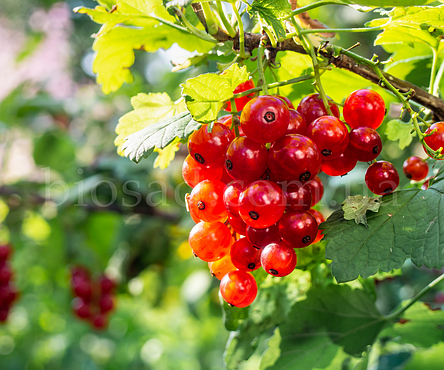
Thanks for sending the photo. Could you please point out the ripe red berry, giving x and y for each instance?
(209, 148)
(245, 256)
(241, 102)
(330, 135)
(246, 159)
(5, 272)
(319, 219)
(106, 303)
(312, 107)
(435, 140)
(278, 259)
(364, 108)
(341, 165)
(210, 241)
(260, 238)
(382, 178)
(298, 228)
(81, 308)
(287, 101)
(262, 204)
(82, 288)
(317, 190)
(227, 121)
(298, 196)
(365, 143)
(238, 225)
(106, 284)
(4, 313)
(294, 157)
(415, 168)
(297, 124)
(231, 196)
(238, 288)
(193, 172)
(206, 201)
(99, 321)
(221, 267)
(265, 119)
(5, 252)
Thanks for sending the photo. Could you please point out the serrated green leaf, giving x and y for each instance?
(398, 130)
(131, 26)
(148, 109)
(420, 326)
(205, 94)
(271, 306)
(356, 207)
(406, 226)
(270, 11)
(142, 143)
(327, 319)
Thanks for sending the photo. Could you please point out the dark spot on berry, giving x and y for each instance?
(345, 174)
(269, 116)
(194, 254)
(375, 149)
(199, 158)
(228, 165)
(388, 191)
(253, 215)
(231, 305)
(306, 239)
(408, 175)
(305, 176)
(255, 246)
(200, 205)
(326, 152)
(212, 273)
(251, 266)
(273, 272)
(385, 112)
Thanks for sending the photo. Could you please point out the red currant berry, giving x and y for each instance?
(238, 225)
(319, 219)
(298, 228)
(287, 101)
(106, 303)
(241, 102)
(206, 201)
(193, 172)
(262, 204)
(294, 157)
(330, 135)
(245, 256)
(317, 190)
(297, 124)
(364, 108)
(278, 259)
(209, 148)
(341, 165)
(5, 272)
(221, 267)
(79, 272)
(260, 238)
(210, 241)
(4, 313)
(238, 288)
(382, 178)
(265, 119)
(226, 178)
(365, 143)
(83, 289)
(8, 294)
(435, 140)
(99, 321)
(227, 121)
(106, 284)
(246, 159)
(298, 196)
(231, 196)
(5, 252)
(312, 107)
(81, 308)
(426, 184)
(415, 168)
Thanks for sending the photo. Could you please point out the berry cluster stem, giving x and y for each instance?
(212, 27)
(242, 51)
(195, 31)
(260, 67)
(228, 27)
(310, 7)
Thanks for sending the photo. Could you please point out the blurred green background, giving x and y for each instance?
(67, 198)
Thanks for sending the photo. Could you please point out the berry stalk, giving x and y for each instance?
(242, 51)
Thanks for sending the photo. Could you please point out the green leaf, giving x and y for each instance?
(406, 226)
(387, 3)
(132, 26)
(271, 306)
(410, 25)
(419, 326)
(233, 316)
(148, 109)
(205, 94)
(166, 155)
(356, 207)
(142, 143)
(270, 11)
(427, 359)
(55, 150)
(328, 318)
(398, 130)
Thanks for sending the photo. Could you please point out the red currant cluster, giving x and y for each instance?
(253, 192)
(93, 299)
(8, 291)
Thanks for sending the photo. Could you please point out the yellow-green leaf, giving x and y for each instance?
(356, 207)
(398, 130)
(166, 155)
